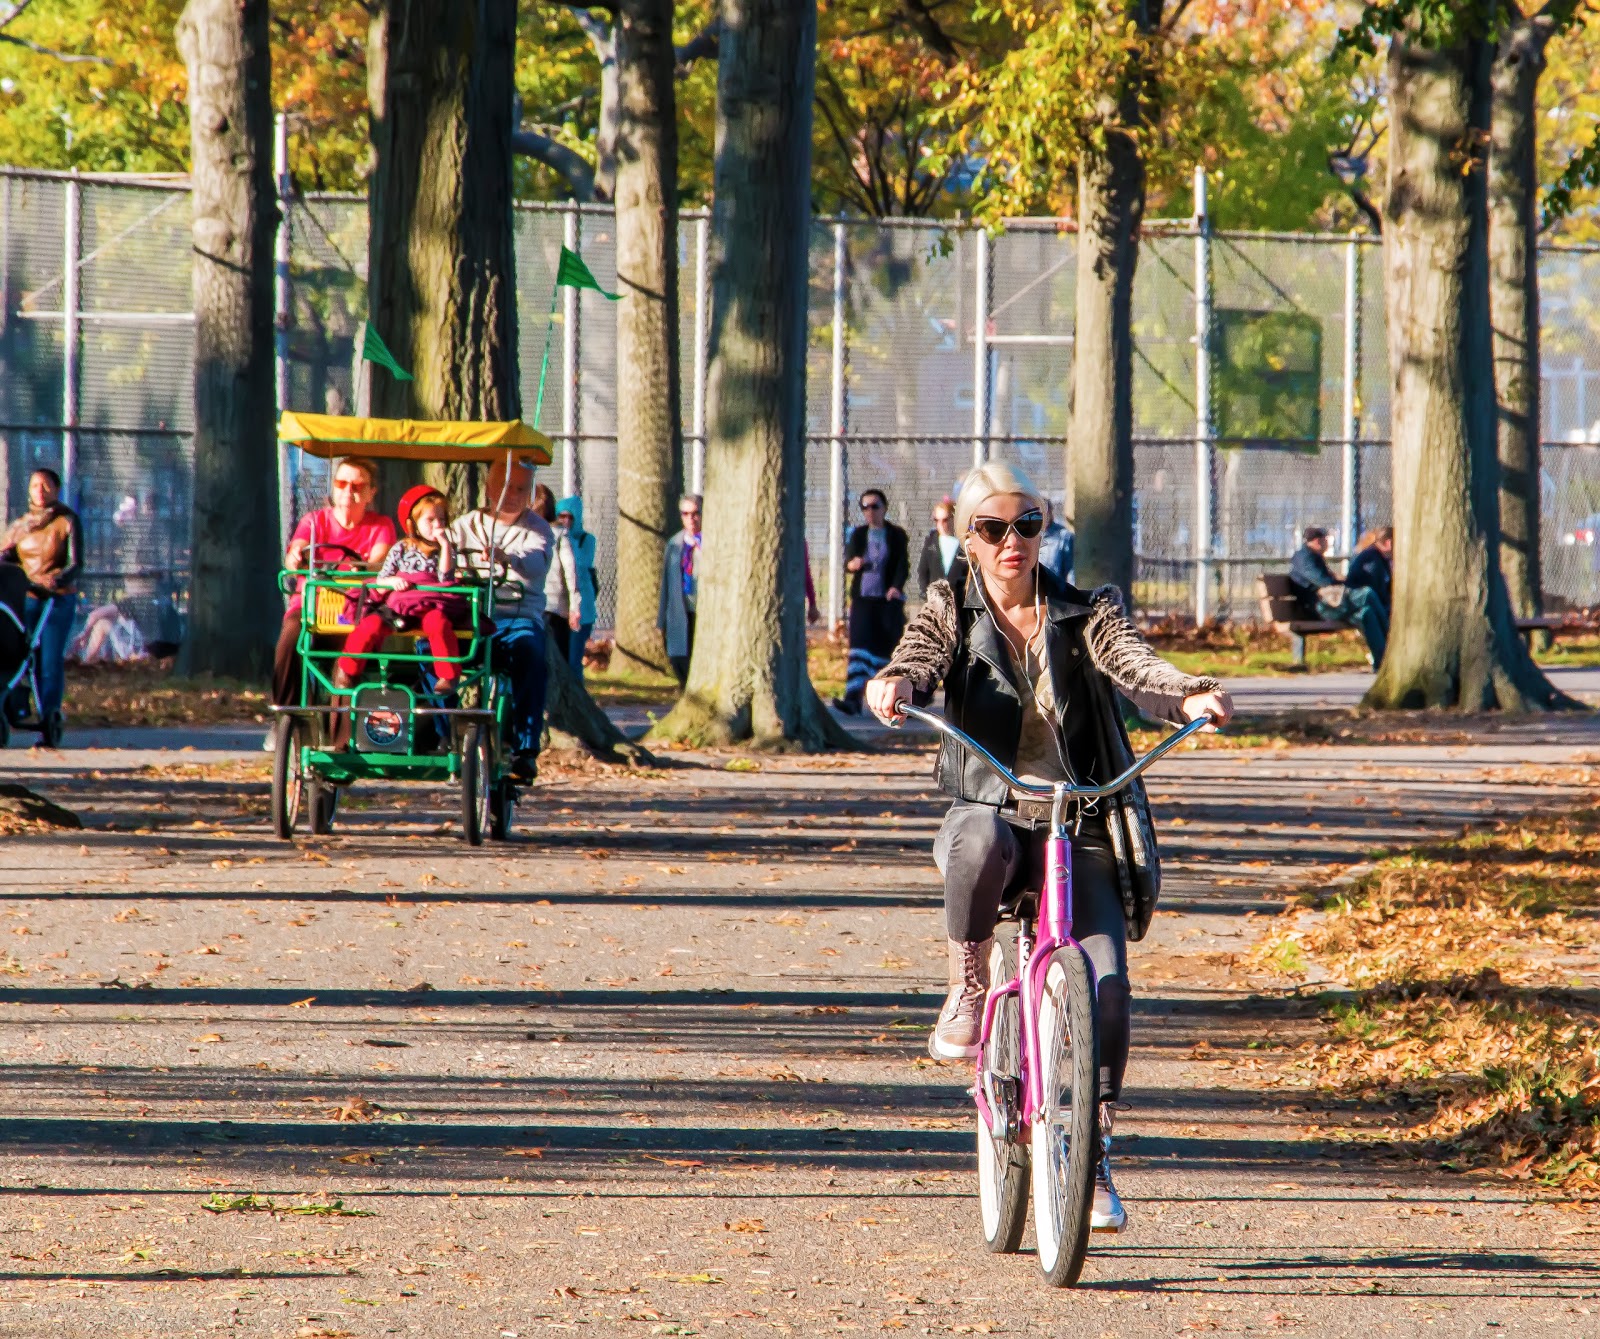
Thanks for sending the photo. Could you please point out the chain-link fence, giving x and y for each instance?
(932, 344)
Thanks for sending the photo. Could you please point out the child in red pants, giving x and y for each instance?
(424, 557)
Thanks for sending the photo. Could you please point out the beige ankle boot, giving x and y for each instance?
(955, 1036)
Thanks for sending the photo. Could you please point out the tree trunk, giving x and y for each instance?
(442, 270)
(441, 267)
(1110, 206)
(1452, 642)
(748, 677)
(1514, 301)
(235, 523)
(576, 722)
(1111, 188)
(649, 421)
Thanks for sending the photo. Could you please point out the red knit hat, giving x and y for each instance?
(408, 504)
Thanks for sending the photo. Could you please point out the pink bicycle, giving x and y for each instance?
(1038, 1082)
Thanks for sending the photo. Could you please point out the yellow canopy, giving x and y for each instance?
(329, 435)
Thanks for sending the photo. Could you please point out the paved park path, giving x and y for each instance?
(657, 1067)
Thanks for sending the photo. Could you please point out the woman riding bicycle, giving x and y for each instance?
(1031, 668)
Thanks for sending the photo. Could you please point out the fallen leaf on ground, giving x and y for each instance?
(354, 1109)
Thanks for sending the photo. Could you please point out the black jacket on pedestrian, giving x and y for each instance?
(898, 570)
(1309, 573)
(930, 567)
(1371, 569)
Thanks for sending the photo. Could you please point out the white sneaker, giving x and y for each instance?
(1107, 1215)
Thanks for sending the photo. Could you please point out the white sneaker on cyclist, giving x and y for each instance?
(960, 1026)
(1107, 1215)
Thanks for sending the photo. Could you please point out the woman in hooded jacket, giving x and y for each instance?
(569, 517)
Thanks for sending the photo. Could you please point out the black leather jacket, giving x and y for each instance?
(1094, 654)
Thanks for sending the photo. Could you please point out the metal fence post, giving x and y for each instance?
(980, 354)
(836, 430)
(571, 373)
(72, 244)
(280, 320)
(702, 304)
(1349, 428)
(1204, 429)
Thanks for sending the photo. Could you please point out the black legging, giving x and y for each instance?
(982, 857)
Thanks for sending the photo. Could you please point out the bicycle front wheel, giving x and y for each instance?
(1002, 1157)
(1066, 1145)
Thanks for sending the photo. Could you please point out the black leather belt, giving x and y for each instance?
(1028, 811)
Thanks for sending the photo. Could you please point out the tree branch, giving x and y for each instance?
(706, 42)
(565, 162)
(66, 57)
(13, 11)
(581, 8)
(927, 26)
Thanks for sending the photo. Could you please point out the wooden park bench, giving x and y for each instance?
(1280, 608)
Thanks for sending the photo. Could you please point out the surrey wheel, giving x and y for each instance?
(475, 785)
(288, 777)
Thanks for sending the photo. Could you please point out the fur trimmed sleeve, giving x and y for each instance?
(927, 648)
(1156, 688)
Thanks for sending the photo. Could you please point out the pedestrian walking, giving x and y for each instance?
(878, 558)
(46, 541)
(1055, 546)
(562, 607)
(940, 549)
(569, 520)
(679, 588)
(1321, 595)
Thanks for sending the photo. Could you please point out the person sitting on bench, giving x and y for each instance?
(1321, 595)
(1373, 565)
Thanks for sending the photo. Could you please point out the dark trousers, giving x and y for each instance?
(57, 612)
(1362, 608)
(680, 664)
(875, 628)
(286, 662)
(560, 633)
(983, 857)
(517, 649)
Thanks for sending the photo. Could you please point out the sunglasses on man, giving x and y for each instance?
(992, 530)
(874, 505)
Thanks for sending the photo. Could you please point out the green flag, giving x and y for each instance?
(575, 274)
(374, 350)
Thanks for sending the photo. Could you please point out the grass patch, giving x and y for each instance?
(1470, 1013)
(1244, 650)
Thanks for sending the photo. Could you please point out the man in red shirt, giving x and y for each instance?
(347, 534)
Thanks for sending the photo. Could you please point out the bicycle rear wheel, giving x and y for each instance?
(1002, 1157)
(1066, 1143)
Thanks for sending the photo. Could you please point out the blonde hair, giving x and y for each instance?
(994, 478)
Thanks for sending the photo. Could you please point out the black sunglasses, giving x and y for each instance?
(992, 530)
(872, 506)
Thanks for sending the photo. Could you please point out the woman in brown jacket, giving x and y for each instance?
(47, 542)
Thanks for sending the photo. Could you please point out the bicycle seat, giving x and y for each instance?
(1020, 904)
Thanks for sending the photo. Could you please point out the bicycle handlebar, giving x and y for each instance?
(1062, 789)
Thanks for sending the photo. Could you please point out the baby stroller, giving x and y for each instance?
(19, 663)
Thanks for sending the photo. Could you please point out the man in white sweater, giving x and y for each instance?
(522, 543)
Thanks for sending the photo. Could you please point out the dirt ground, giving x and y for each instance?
(657, 1066)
